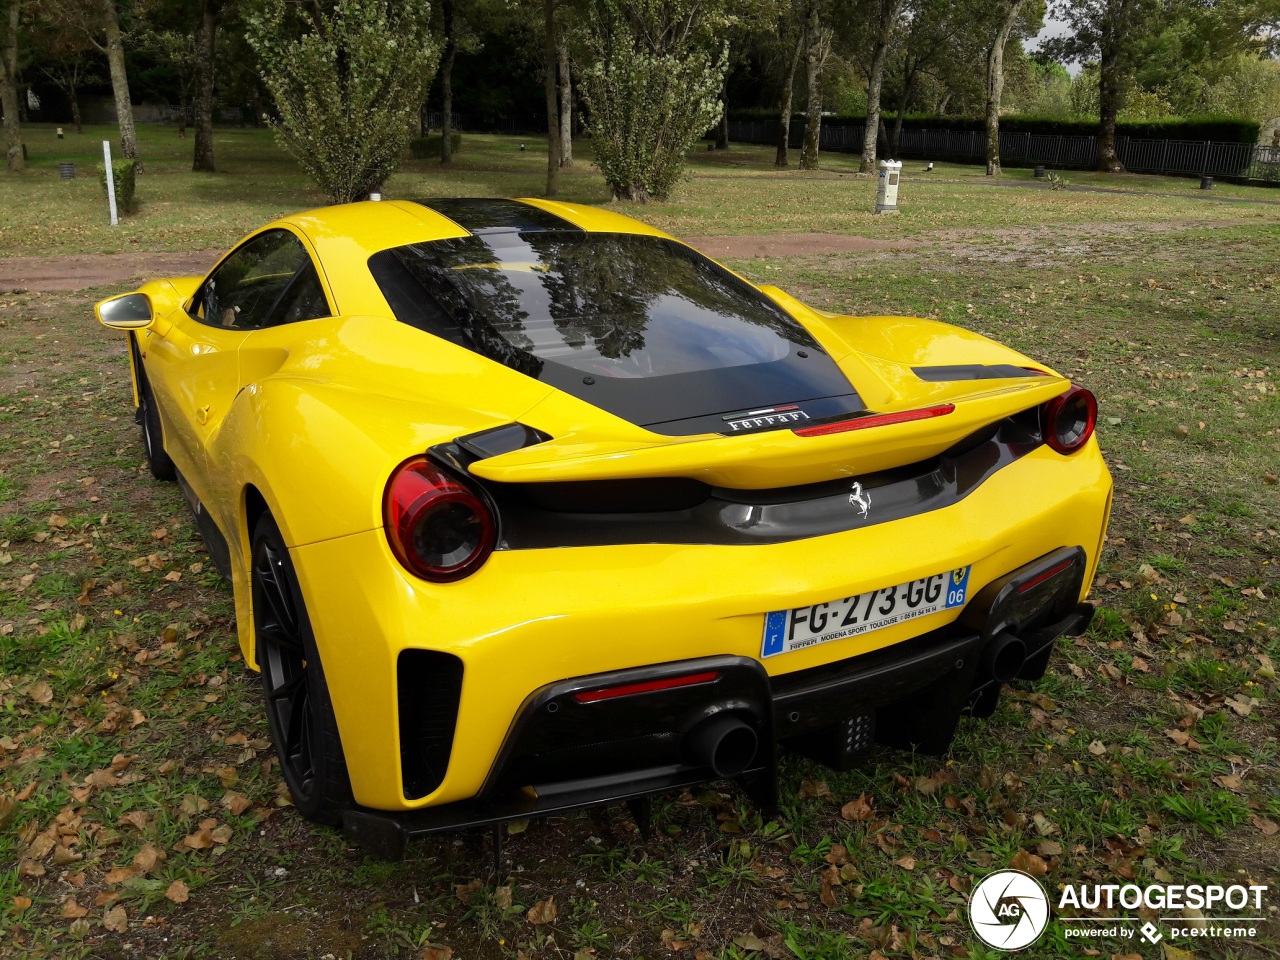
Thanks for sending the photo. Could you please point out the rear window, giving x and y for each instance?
(611, 305)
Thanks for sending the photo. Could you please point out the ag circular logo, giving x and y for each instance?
(1009, 910)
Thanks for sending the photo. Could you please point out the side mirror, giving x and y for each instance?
(129, 312)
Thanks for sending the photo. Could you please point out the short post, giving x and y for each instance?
(887, 189)
(111, 182)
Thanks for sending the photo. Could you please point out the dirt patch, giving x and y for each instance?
(80, 272)
(794, 245)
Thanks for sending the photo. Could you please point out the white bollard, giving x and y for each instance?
(111, 182)
(887, 190)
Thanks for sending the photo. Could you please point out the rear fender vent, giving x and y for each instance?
(428, 688)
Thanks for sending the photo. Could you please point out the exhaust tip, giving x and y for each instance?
(1004, 657)
(725, 744)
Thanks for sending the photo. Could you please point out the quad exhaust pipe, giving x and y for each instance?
(724, 744)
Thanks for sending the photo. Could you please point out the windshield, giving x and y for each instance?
(611, 305)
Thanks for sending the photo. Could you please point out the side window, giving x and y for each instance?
(269, 280)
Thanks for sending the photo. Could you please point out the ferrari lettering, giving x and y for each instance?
(766, 420)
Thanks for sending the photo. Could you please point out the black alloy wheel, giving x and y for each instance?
(299, 711)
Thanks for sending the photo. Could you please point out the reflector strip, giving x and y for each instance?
(875, 420)
(1051, 572)
(646, 686)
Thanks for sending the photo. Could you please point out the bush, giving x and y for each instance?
(347, 79)
(428, 147)
(1217, 129)
(125, 174)
(650, 92)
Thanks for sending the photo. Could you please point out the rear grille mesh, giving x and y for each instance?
(428, 688)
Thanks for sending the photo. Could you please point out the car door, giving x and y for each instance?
(285, 289)
(194, 365)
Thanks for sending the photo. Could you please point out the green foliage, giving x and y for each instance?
(347, 85)
(125, 174)
(651, 90)
(428, 148)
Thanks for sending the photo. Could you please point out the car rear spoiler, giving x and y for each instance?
(871, 441)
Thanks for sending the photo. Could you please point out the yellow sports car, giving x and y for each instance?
(528, 506)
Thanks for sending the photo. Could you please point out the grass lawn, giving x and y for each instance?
(141, 814)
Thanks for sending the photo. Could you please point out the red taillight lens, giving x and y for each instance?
(1068, 420)
(438, 528)
(646, 686)
(875, 420)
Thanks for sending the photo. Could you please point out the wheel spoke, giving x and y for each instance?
(286, 690)
(270, 572)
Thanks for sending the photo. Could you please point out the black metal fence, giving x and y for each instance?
(1174, 157)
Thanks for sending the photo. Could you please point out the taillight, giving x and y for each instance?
(438, 528)
(874, 420)
(1068, 420)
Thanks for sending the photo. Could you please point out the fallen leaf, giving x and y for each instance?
(906, 863)
(72, 910)
(1029, 863)
(1242, 705)
(814, 788)
(149, 857)
(40, 692)
(116, 920)
(859, 809)
(748, 941)
(435, 952)
(1269, 828)
(121, 874)
(236, 803)
(178, 892)
(1231, 782)
(502, 897)
(1176, 953)
(1097, 748)
(830, 880)
(463, 891)
(200, 840)
(542, 912)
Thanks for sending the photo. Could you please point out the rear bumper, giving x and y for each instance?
(530, 619)
(574, 745)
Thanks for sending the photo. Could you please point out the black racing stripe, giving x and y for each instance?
(481, 215)
(973, 371)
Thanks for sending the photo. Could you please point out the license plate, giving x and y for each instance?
(787, 630)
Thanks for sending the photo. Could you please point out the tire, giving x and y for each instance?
(158, 461)
(299, 711)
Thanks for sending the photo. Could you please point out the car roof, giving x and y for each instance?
(359, 230)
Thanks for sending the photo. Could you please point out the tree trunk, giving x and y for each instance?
(995, 86)
(446, 84)
(566, 105)
(875, 81)
(908, 81)
(73, 94)
(120, 82)
(813, 69)
(15, 156)
(722, 128)
(206, 41)
(550, 60)
(784, 135)
(1109, 108)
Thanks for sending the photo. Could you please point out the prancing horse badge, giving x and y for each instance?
(860, 498)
